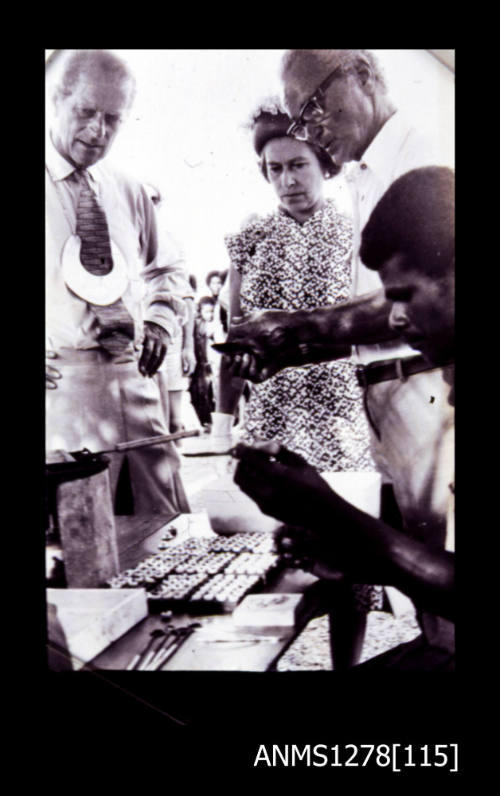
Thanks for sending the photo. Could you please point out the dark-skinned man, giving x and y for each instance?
(409, 241)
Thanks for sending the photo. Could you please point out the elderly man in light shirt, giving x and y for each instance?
(103, 392)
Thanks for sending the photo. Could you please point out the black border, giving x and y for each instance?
(115, 722)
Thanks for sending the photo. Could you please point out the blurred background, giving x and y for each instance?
(186, 134)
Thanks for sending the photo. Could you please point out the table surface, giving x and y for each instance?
(240, 650)
(217, 645)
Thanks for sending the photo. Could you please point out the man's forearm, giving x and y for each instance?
(384, 555)
(188, 326)
(361, 321)
(267, 341)
(162, 315)
(427, 576)
(321, 334)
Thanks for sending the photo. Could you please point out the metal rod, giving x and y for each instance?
(137, 443)
(141, 655)
(184, 634)
(199, 454)
(163, 649)
(142, 443)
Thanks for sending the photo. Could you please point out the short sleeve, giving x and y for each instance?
(238, 250)
(241, 245)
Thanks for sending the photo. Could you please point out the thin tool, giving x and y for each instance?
(120, 447)
(167, 634)
(163, 648)
(230, 452)
(184, 634)
(140, 655)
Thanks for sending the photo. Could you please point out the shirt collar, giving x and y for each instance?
(317, 213)
(385, 142)
(59, 167)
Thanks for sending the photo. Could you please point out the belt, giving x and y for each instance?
(86, 356)
(388, 369)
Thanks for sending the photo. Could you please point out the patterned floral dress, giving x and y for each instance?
(315, 410)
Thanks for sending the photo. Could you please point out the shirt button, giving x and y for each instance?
(363, 166)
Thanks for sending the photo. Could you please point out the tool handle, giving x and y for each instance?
(162, 656)
(135, 660)
(147, 660)
(171, 651)
(161, 651)
(85, 454)
(142, 443)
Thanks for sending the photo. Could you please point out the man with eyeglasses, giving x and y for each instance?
(338, 99)
(112, 293)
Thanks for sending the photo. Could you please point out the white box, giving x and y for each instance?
(267, 612)
(93, 618)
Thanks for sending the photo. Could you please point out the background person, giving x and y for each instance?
(215, 282)
(179, 363)
(200, 386)
(106, 352)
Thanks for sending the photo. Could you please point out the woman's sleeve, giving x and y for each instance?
(237, 246)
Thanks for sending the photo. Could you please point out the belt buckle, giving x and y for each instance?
(361, 376)
(400, 371)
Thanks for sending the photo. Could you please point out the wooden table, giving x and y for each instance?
(243, 652)
(237, 650)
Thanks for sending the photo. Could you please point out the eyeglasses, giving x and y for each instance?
(312, 111)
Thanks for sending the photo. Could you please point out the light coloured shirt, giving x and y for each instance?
(156, 271)
(396, 149)
(178, 279)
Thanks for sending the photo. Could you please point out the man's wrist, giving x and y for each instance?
(312, 332)
(166, 333)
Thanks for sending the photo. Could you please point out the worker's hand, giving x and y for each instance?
(154, 348)
(52, 374)
(244, 365)
(304, 548)
(282, 483)
(316, 537)
(260, 344)
(295, 545)
(188, 360)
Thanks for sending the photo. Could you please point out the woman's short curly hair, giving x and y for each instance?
(270, 120)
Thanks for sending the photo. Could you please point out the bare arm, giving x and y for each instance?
(231, 387)
(340, 536)
(268, 341)
(188, 356)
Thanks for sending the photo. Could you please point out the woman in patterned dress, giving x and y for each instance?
(298, 257)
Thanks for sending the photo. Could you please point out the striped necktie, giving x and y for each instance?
(115, 322)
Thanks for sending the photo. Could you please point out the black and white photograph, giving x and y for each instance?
(249, 403)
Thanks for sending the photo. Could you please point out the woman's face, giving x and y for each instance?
(295, 174)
